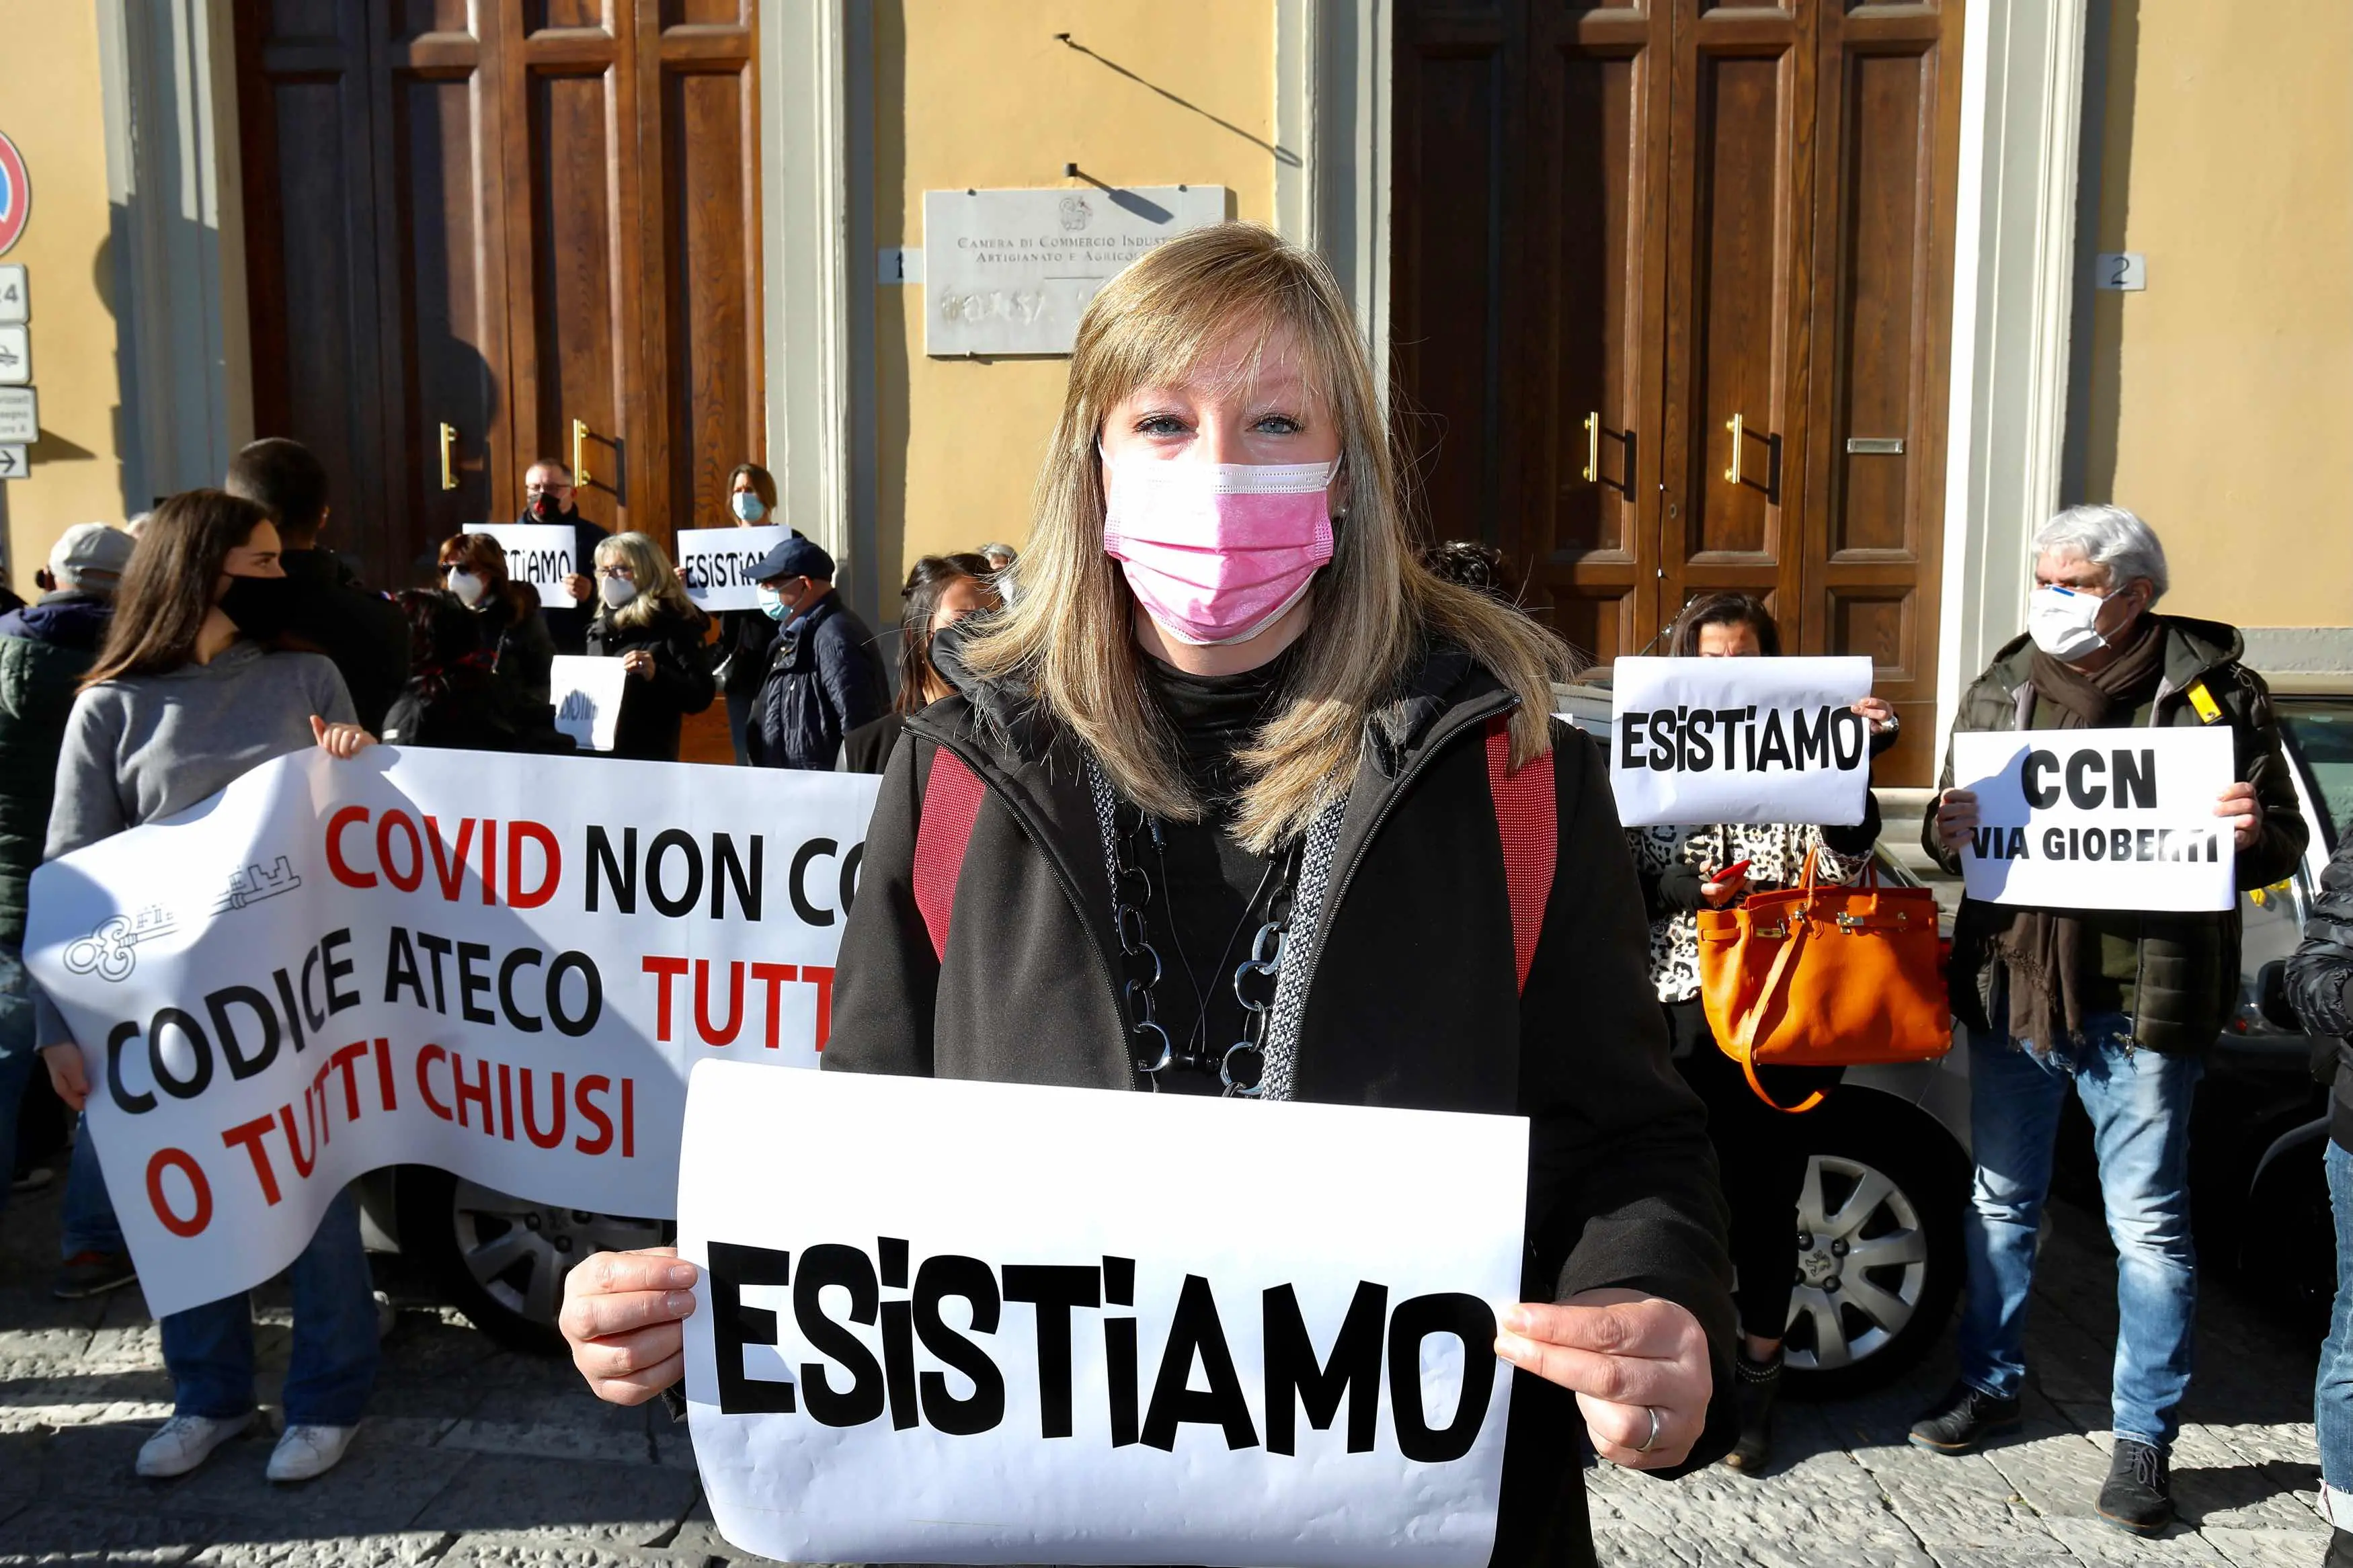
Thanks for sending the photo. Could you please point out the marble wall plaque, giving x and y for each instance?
(1010, 272)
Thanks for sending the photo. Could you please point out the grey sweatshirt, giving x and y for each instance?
(143, 748)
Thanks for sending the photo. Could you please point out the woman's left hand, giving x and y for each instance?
(1878, 711)
(1625, 1355)
(339, 740)
(639, 663)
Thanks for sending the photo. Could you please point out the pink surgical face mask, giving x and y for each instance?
(1217, 551)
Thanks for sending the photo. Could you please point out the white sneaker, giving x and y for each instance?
(183, 1442)
(304, 1452)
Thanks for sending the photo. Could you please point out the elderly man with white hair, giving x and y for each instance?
(2119, 1006)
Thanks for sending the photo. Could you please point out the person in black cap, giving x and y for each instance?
(824, 679)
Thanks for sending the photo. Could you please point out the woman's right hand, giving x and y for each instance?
(1720, 890)
(622, 1316)
(1956, 817)
(67, 1075)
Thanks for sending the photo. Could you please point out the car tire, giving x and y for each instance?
(501, 1259)
(1879, 1258)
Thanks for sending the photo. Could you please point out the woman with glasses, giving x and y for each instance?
(645, 620)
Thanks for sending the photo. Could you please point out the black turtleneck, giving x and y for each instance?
(1204, 881)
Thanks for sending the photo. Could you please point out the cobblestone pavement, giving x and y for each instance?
(473, 1455)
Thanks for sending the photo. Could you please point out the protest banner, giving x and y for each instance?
(539, 555)
(499, 965)
(716, 563)
(1739, 739)
(929, 1330)
(2099, 819)
(588, 693)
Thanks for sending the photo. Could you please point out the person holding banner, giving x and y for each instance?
(182, 699)
(1760, 1150)
(645, 620)
(940, 591)
(1231, 715)
(547, 497)
(744, 635)
(2120, 1005)
(510, 625)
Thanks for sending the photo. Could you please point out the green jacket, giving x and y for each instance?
(38, 680)
(2187, 962)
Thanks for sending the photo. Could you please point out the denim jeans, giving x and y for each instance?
(88, 1223)
(209, 1349)
(2332, 1393)
(2138, 1102)
(18, 1060)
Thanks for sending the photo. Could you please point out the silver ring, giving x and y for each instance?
(1651, 1442)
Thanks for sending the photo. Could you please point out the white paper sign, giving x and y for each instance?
(1739, 739)
(539, 554)
(20, 414)
(500, 965)
(588, 693)
(2099, 819)
(938, 1326)
(1010, 271)
(716, 563)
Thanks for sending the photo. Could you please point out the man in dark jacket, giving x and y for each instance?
(2318, 981)
(2121, 1006)
(45, 649)
(547, 493)
(362, 632)
(823, 678)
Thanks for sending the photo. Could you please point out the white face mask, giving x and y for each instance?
(467, 586)
(2060, 621)
(616, 591)
(748, 506)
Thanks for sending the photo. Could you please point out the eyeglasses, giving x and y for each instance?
(541, 490)
(624, 573)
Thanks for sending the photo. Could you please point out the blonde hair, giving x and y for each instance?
(658, 588)
(1069, 635)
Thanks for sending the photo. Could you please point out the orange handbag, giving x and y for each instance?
(1825, 975)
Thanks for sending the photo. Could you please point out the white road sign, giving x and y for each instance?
(20, 414)
(14, 463)
(16, 294)
(16, 355)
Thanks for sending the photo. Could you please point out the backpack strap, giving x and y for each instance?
(951, 802)
(1527, 819)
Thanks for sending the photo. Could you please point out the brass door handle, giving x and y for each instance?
(579, 449)
(448, 439)
(1732, 470)
(1592, 447)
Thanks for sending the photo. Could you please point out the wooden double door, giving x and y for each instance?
(483, 232)
(1670, 311)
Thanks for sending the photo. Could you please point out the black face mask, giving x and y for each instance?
(547, 509)
(262, 607)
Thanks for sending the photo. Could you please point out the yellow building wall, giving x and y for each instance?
(980, 93)
(2222, 398)
(49, 108)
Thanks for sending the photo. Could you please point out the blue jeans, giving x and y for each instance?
(209, 1349)
(88, 1223)
(2332, 1393)
(2138, 1102)
(18, 1057)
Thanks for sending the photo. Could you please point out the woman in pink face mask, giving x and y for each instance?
(1230, 716)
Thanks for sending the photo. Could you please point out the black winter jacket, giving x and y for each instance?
(653, 708)
(522, 654)
(1412, 1004)
(2188, 960)
(824, 681)
(2317, 977)
(44, 650)
(362, 632)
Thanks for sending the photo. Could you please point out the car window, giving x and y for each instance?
(2320, 732)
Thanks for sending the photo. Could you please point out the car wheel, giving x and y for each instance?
(1878, 1246)
(501, 1260)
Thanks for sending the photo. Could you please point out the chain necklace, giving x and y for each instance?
(1241, 1066)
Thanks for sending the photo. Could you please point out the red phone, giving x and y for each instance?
(1730, 872)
